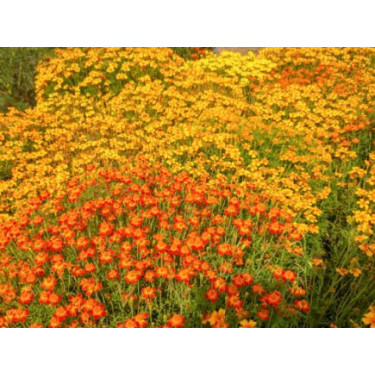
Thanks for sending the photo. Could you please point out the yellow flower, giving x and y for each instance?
(356, 272)
(317, 262)
(369, 318)
(248, 324)
(342, 271)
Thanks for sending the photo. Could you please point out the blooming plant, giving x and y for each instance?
(146, 190)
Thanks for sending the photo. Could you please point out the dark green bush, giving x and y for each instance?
(189, 53)
(17, 73)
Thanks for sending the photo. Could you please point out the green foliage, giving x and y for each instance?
(5, 170)
(17, 73)
(187, 53)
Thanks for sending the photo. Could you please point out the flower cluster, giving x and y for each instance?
(139, 247)
(148, 190)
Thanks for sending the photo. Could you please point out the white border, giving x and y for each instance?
(187, 23)
(186, 351)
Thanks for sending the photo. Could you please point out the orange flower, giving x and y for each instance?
(226, 268)
(49, 283)
(41, 258)
(260, 208)
(26, 297)
(220, 285)
(212, 295)
(82, 243)
(238, 280)
(184, 276)
(176, 321)
(105, 229)
(61, 313)
(247, 279)
(302, 305)
(232, 210)
(317, 262)
(39, 245)
(149, 276)
(162, 272)
(216, 319)
(369, 318)
(258, 289)
(90, 286)
(141, 320)
(98, 312)
(356, 272)
(44, 297)
(278, 272)
(263, 314)
(106, 257)
(225, 249)
(235, 302)
(38, 220)
(248, 324)
(273, 299)
(148, 293)
(131, 323)
(56, 244)
(54, 299)
(275, 227)
(297, 291)
(288, 275)
(132, 277)
(342, 271)
(113, 274)
(16, 315)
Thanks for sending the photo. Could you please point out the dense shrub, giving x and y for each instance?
(147, 189)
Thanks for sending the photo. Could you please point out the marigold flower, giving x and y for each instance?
(105, 229)
(216, 319)
(317, 262)
(106, 257)
(49, 283)
(98, 312)
(212, 295)
(41, 258)
(231, 210)
(148, 293)
(297, 291)
(248, 324)
(132, 277)
(54, 299)
(220, 285)
(113, 274)
(82, 243)
(162, 272)
(176, 321)
(275, 227)
(273, 299)
(369, 318)
(26, 297)
(263, 314)
(257, 289)
(141, 320)
(302, 305)
(289, 275)
(235, 302)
